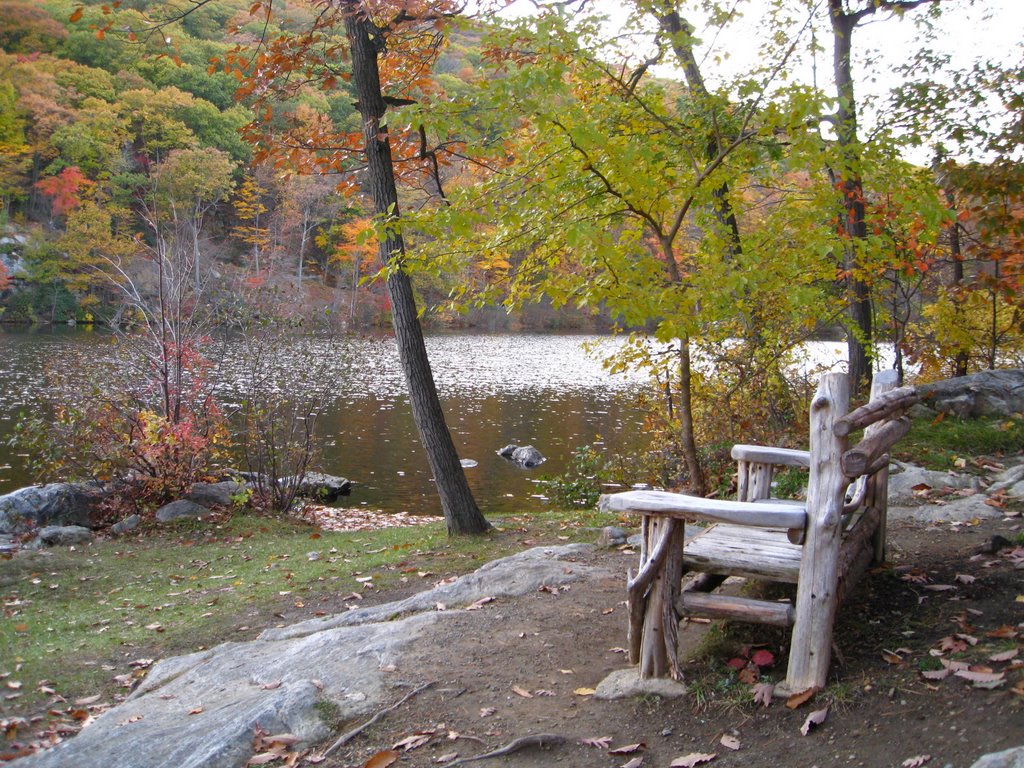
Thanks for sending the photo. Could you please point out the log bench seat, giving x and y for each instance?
(822, 544)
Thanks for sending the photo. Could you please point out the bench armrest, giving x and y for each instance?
(752, 513)
(761, 454)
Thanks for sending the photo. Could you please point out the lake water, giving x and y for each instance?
(537, 389)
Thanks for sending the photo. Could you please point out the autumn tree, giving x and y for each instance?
(191, 182)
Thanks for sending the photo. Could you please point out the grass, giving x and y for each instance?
(938, 443)
(76, 619)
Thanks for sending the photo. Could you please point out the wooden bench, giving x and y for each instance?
(822, 544)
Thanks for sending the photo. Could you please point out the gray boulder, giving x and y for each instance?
(182, 508)
(64, 535)
(323, 487)
(1008, 758)
(40, 505)
(905, 477)
(130, 523)
(201, 710)
(986, 393)
(525, 456)
(1010, 481)
(215, 494)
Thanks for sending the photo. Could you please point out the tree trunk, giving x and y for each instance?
(859, 332)
(460, 510)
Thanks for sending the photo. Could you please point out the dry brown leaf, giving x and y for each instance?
(601, 742)
(584, 691)
(414, 741)
(892, 658)
(692, 759)
(263, 758)
(196, 711)
(935, 674)
(487, 711)
(629, 749)
(478, 604)
(86, 701)
(1005, 655)
(270, 686)
(801, 698)
(763, 693)
(915, 762)
(442, 759)
(287, 739)
(636, 762)
(730, 742)
(382, 759)
(938, 587)
(965, 578)
(521, 692)
(817, 717)
(544, 692)
(980, 677)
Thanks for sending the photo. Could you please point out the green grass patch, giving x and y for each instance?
(938, 443)
(75, 619)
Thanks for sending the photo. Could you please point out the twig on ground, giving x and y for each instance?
(543, 740)
(347, 737)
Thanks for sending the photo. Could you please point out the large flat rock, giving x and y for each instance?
(278, 680)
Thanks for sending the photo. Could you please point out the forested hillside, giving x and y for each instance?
(115, 144)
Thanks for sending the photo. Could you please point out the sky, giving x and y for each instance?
(968, 30)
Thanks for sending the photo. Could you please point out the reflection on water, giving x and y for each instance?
(540, 389)
(496, 389)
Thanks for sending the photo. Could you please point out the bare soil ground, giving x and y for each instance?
(523, 666)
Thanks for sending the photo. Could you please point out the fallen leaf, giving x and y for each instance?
(382, 759)
(636, 762)
(1004, 656)
(287, 739)
(730, 742)
(892, 658)
(86, 701)
(601, 742)
(980, 677)
(521, 692)
(414, 741)
(964, 578)
(915, 762)
(196, 711)
(763, 693)
(442, 759)
(692, 759)
(629, 749)
(938, 587)
(935, 674)
(817, 717)
(487, 711)
(763, 658)
(271, 685)
(584, 691)
(543, 692)
(263, 758)
(801, 698)
(477, 605)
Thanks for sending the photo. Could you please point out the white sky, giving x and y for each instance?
(967, 30)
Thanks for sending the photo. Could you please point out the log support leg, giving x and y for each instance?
(654, 622)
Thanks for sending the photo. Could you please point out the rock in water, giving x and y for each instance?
(525, 456)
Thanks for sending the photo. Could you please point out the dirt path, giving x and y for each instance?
(522, 666)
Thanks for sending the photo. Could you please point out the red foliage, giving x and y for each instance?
(5, 280)
(65, 189)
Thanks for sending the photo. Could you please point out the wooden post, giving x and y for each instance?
(660, 632)
(883, 388)
(817, 593)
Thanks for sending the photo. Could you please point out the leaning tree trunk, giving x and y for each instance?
(859, 334)
(460, 509)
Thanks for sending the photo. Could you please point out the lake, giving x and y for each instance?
(539, 389)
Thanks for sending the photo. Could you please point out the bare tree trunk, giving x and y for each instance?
(460, 509)
(859, 333)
